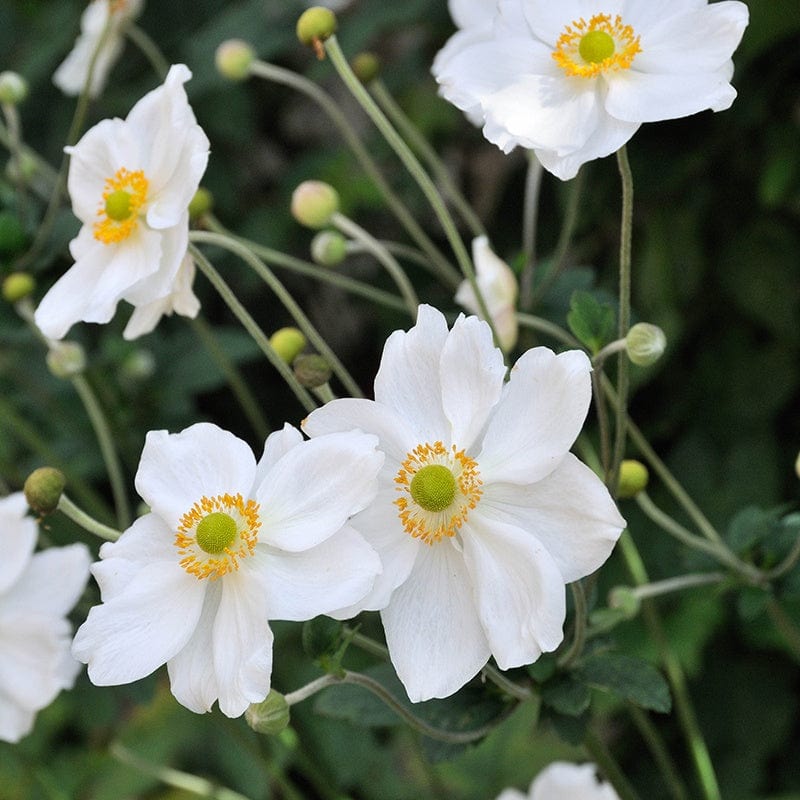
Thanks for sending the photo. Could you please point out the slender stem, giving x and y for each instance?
(626, 236)
(249, 324)
(677, 584)
(310, 689)
(530, 213)
(367, 644)
(601, 755)
(149, 49)
(785, 626)
(661, 755)
(508, 686)
(89, 524)
(303, 322)
(548, 328)
(419, 143)
(579, 635)
(791, 559)
(15, 149)
(617, 346)
(288, 78)
(373, 246)
(602, 419)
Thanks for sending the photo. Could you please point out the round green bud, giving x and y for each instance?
(201, 203)
(43, 489)
(321, 637)
(633, 477)
(645, 344)
(17, 286)
(311, 370)
(13, 88)
(328, 248)
(23, 168)
(12, 234)
(314, 203)
(288, 343)
(366, 67)
(316, 25)
(233, 59)
(433, 487)
(66, 359)
(625, 600)
(270, 716)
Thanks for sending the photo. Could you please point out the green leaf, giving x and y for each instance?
(592, 322)
(634, 679)
(567, 696)
(750, 527)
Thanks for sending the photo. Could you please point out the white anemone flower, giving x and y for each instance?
(130, 182)
(228, 545)
(482, 515)
(564, 781)
(498, 285)
(574, 80)
(103, 26)
(37, 591)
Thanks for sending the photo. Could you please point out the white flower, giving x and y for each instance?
(102, 31)
(498, 285)
(229, 545)
(130, 182)
(574, 80)
(482, 515)
(36, 593)
(564, 781)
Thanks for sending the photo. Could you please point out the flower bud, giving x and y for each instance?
(201, 203)
(328, 248)
(13, 88)
(17, 286)
(625, 600)
(288, 343)
(233, 59)
(270, 716)
(314, 203)
(138, 366)
(66, 359)
(366, 67)
(633, 477)
(316, 25)
(645, 344)
(43, 489)
(311, 370)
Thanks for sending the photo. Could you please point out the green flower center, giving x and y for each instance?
(433, 487)
(596, 46)
(118, 205)
(216, 532)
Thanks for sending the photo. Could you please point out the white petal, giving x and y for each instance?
(177, 469)
(137, 631)
(469, 13)
(434, 636)
(520, 592)
(538, 418)
(161, 283)
(335, 574)
(19, 538)
(277, 445)
(562, 779)
(570, 512)
(548, 20)
(315, 487)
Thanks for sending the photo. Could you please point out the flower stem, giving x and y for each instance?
(310, 689)
(785, 626)
(548, 328)
(149, 49)
(608, 766)
(579, 636)
(249, 324)
(366, 644)
(533, 184)
(512, 689)
(89, 524)
(677, 584)
(15, 149)
(661, 755)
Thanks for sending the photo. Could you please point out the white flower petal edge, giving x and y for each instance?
(486, 516)
(578, 781)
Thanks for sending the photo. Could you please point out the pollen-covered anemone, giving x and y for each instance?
(574, 80)
(482, 514)
(228, 545)
(130, 182)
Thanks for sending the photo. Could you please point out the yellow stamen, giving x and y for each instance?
(114, 226)
(587, 49)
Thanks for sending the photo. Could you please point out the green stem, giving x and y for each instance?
(579, 635)
(15, 149)
(249, 324)
(310, 689)
(419, 143)
(658, 749)
(328, 105)
(549, 329)
(366, 643)
(508, 686)
(383, 256)
(278, 289)
(601, 755)
(677, 584)
(785, 626)
(149, 49)
(617, 346)
(533, 185)
(89, 524)
(781, 569)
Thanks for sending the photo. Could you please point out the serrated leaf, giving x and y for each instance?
(591, 321)
(634, 679)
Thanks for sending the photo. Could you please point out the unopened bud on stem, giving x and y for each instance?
(314, 203)
(288, 343)
(233, 59)
(43, 489)
(633, 477)
(645, 344)
(328, 248)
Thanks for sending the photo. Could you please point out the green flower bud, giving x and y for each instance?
(138, 366)
(328, 248)
(366, 67)
(288, 343)
(311, 370)
(645, 344)
(625, 600)
(314, 203)
(633, 478)
(321, 637)
(66, 359)
(316, 25)
(270, 716)
(17, 286)
(13, 88)
(201, 203)
(43, 489)
(233, 59)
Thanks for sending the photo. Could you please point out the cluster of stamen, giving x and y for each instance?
(125, 192)
(438, 487)
(214, 552)
(601, 45)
